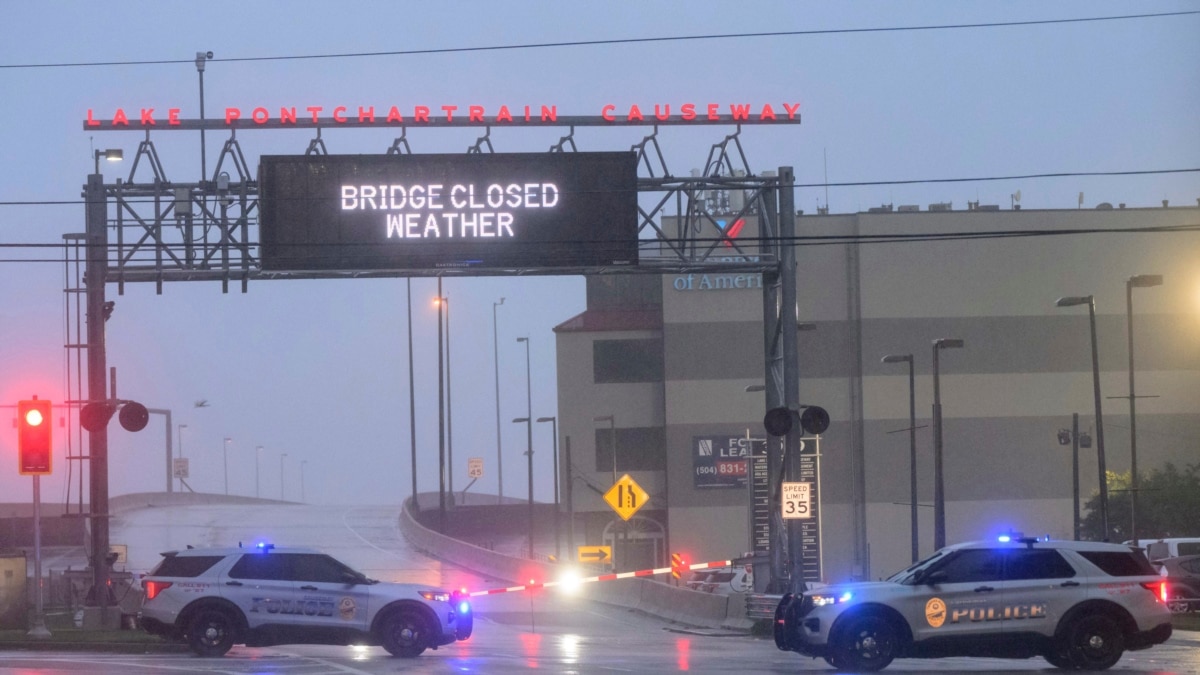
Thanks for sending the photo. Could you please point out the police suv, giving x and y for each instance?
(217, 597)
(1079, 605)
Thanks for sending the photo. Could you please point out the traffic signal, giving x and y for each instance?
(33, 437)
(677, 565)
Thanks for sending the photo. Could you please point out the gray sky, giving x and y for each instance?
(318, 369)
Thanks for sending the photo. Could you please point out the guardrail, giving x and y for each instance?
(761, 606)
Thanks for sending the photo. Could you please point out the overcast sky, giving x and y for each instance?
(318, 369)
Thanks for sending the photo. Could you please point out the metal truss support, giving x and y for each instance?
(569, 139)
(484, 140)
(400, 146)
(644, 157)
(317, 145)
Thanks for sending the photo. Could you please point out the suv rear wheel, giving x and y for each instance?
(211, 632)
(867, 643)
(1093, 642)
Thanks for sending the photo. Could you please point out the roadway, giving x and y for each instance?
(514, 632)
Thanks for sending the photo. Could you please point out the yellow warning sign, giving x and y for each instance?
(626, 497)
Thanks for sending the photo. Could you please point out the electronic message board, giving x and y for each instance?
(428, 212)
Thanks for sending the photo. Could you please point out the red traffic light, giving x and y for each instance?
(33, 437)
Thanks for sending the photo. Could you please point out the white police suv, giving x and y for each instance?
(217, 597)
(1079, 605)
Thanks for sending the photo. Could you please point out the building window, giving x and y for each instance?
(638, 449)
(615, 361)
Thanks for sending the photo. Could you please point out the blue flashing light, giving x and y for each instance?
(1004, 538)
(464, 607)
(845, 597)
(264, 546)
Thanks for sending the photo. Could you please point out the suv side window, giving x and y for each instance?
(971, 565)
(1119, 563)
(1037, 564)
(190, 566)
(268, 566)
(317, 567)
(1192, 566)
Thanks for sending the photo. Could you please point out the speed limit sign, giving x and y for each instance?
(797, 500)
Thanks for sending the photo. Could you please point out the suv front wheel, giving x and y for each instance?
(1093, 642)
(211, 632)
(867, 643)
(404, 633)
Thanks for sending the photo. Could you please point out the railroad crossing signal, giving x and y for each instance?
(626, 497)
(33, 437)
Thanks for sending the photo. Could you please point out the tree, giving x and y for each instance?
(1168, 505)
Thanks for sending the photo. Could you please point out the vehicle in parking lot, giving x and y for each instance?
(1079, 605)
(1172, 547)
(697, 579)
(738, 579)
(217, 597)
(1183, 582)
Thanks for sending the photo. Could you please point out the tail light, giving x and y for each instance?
(1159, 588)
(153, 588)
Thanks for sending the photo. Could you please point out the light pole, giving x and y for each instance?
(441, 421)
(496, 362)
(257, 461)
(612, 438)
(444, 304)
(912, 447)
(1136, 281)
(180, 431)
(529, 435)
(554, 430)
(412, 401)
(1090, 301)
(282, 455)
(225, 458)
(939, 487)
(303, 463)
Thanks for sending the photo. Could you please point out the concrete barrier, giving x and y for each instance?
(673, 603)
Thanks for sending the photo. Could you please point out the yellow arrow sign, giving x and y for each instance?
(595, 554)
(626, 497)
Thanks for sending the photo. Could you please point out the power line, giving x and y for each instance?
(912, 181)
(615, 41)
(798, 240)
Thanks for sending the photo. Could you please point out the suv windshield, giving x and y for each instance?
(905, 576)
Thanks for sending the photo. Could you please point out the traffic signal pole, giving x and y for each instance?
(95, 278)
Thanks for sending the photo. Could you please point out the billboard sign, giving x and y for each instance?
(722, 461)
(429, 212)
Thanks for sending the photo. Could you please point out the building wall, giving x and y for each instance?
(1025, 368)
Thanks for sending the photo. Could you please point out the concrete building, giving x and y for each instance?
(667, 360)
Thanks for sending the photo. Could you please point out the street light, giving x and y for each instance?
(282, 455)
(112, 155)
(939, 488)
(1090, 301)
(912, 446)
(1136, 281)
(225, 457)
(496, 361)
(554, 430)
(529, 459)
(180, 431)
(529, 434)
(612, 439)
(257, 460)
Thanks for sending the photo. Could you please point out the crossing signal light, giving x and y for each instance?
(677, 565)
(33, 437)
